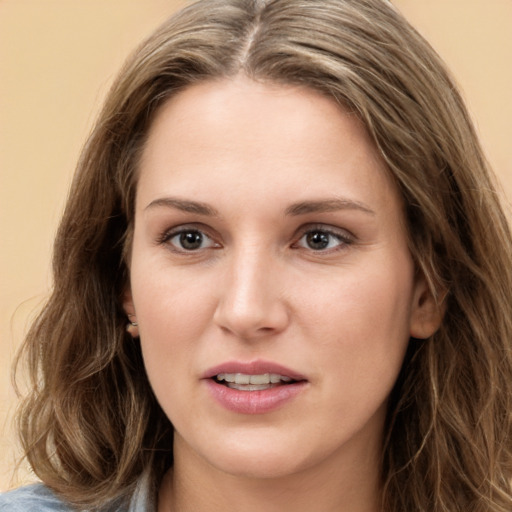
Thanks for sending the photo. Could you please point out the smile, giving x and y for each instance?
(246, 382)
(256, 387)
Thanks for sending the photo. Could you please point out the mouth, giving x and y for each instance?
(253, 382)
(243, 375)
(256, 387)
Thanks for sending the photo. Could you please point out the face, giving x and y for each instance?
(270, 278)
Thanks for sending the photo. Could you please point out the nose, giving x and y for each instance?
(252, 302)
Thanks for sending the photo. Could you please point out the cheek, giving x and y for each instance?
(173, 315)
(171, 326)
(360, 325)
(358, 353)
(369, 299)
(171, 302)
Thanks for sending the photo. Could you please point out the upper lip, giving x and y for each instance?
(257, 367)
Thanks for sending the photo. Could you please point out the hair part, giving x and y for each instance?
(91, 424)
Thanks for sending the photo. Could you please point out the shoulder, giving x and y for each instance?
(39, 498)
(32, 498)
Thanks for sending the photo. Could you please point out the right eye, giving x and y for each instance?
(189, 240)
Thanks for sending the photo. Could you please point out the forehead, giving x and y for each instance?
(265, 110)
(240, 135)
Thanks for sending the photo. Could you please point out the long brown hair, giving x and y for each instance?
(91, 424)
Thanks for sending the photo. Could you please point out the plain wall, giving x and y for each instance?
(57, 59)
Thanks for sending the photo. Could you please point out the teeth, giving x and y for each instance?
(256, 380)
(249, 387)
(260, 379)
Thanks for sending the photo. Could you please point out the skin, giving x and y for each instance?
(272, 163)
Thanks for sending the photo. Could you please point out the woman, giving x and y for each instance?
(276, 280)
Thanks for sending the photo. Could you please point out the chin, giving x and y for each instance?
(258, 466)
(262, 458)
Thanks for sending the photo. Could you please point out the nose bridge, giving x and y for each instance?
(251, 302)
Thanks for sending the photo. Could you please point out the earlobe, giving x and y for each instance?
(426, 311)
(132, 327)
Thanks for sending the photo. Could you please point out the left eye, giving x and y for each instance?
(190, 240)
(321, 240)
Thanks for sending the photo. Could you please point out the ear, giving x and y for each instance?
(132, 327)
(426, 310)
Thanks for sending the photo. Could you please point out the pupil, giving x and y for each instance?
(191, 240)
(318, 240)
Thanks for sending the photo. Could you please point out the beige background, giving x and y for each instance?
(57, 59)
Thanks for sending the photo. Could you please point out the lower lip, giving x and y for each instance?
(254, 402)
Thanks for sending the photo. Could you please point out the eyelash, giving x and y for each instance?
(167, 236)
(343, 239)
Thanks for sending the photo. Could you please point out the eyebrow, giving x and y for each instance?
(328, 205)
(183, 205)
(295, 209)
